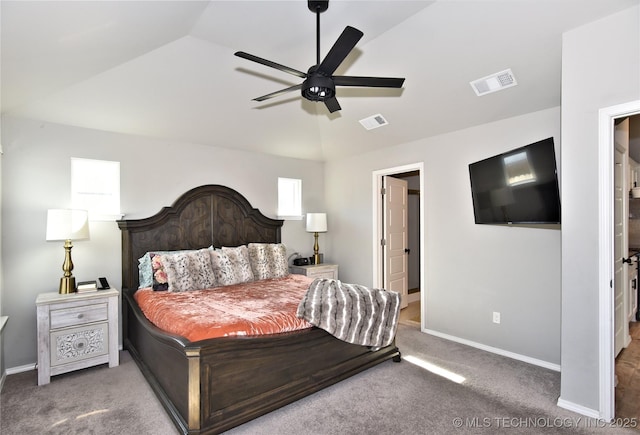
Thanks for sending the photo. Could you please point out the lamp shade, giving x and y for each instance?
(66, 224)
(316, 222)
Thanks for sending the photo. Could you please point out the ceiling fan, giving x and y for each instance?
(319, 82)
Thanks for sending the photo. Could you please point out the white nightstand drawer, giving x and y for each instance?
(317, 270)
(78, 315)
(321, 274)
(75, 344)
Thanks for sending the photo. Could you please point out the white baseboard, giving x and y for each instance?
(508, 354)
(21, 369)
(578, 408)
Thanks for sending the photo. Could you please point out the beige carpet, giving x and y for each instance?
(391, 398)
(97, 400)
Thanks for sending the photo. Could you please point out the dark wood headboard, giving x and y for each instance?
(204, 216)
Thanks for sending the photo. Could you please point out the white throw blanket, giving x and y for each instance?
(352, 312)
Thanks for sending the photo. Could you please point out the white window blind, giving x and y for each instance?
(289, 198)
(95, 186)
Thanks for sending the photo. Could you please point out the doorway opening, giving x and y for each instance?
(414, 247)
(607, 258)
(626, 338)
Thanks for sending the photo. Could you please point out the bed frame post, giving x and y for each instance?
(193, 356)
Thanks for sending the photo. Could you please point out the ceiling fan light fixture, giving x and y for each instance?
(318, 88)
(319, 82)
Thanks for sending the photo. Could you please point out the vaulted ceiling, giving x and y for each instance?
(166, 69)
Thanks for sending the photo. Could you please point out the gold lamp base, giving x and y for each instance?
(68, 281)
(316, 249)
(67, 285)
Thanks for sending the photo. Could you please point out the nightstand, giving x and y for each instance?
(316, 270)
(75, 331)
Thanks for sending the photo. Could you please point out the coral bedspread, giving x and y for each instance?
(255, 308)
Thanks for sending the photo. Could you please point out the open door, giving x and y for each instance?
(396, 276)
(620, 237)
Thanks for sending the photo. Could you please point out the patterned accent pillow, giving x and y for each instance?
(159, 276)
(146, 269)
(268, 260)
(190, 270)
(239, 257)
(223, 268)
(145, 274)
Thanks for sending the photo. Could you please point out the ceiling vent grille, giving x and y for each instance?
(373, 121)
(494, 82)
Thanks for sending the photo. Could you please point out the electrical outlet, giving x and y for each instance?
(496, 317)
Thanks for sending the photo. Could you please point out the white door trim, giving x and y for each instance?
(377, 230)
(605, 252)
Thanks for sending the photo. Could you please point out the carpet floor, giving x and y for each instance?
(493, 394)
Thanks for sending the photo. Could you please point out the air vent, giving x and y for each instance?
(374, 121)
(494, 82)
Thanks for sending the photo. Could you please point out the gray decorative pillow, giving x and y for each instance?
(268, 260)
(223, 268)
(239, 258)
(145, 278)
(190, 270)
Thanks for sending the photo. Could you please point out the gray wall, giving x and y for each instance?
(471, 270)
(35, 177)
(3, 319)
(600, 68)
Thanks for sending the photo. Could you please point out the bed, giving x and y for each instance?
(212, 385)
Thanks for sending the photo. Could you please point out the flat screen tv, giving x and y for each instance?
(517, 187)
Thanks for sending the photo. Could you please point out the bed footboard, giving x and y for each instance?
(213, 385)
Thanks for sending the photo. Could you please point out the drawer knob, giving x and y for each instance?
(80, 316)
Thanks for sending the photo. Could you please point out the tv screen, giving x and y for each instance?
(517, 187)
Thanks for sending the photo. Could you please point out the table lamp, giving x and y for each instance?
(316, 223)
(67, 225)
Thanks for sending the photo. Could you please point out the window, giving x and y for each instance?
(518, 170)
(290, 198)
(95, 186)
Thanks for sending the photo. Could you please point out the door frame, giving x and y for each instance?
(606, 148)
(377, 230)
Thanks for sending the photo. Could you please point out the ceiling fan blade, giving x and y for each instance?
(266, 62)
(342, 47)
(332, 104)
(374, 82)
(278, 93)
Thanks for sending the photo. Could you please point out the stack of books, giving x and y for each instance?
(87, 286)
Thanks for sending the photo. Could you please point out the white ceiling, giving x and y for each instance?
(166, 69)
